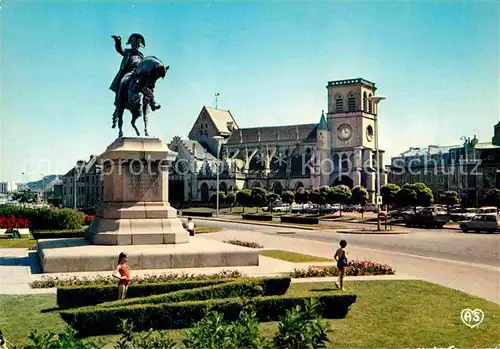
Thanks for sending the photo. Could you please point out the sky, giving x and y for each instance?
(437, 63)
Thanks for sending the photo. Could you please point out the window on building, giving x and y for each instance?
(365, 102)
(339, 103)
(369, 104)
(351, 102)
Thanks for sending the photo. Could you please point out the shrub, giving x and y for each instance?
(354, 268)
(101, 320)
(45, 217)
(80, 296)
(250, 244)
(37, 235)
(300, 219)
(239, 288)
(49, 282)
(67, 339)
(301, 327)
(258, 217)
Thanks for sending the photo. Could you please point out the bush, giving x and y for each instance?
(250, 244)
(232, 289)
(258, 217)
(354, 268)
(37, 235)
(45, 217)
(300, 219)
(49, 282)
(80, 296)
(101, 320)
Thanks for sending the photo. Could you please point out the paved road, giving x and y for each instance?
(466, 262)
(436, 243)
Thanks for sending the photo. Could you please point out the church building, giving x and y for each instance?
(339, 149)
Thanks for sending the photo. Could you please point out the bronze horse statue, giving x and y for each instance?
(136, 93)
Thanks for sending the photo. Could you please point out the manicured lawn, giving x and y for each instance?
(387, 314)
(17, 243)
(292, 256)
(198, 209)
(201, 229)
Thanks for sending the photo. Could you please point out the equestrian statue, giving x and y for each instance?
(135, 82)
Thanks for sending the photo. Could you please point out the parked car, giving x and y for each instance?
(281, 208)
(482, 222)
(428, 217)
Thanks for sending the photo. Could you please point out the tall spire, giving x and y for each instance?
(323, 125)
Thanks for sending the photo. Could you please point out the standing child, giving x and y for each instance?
(122, 273)
(341, 258)
(190, 226)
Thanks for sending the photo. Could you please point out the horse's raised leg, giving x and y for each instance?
(135, 116)
(119, 117)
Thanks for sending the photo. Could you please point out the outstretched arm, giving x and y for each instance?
(118, 44)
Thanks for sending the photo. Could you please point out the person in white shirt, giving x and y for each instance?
(190, 226)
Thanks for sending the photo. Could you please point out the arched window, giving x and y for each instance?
(277, 188)
(336, 161)
(351, 161)
(370, 104)
(223, 187)
(351, 102)
(204, 192)
(365, 102)
(339, 103)
(298, 185)
(345, 162)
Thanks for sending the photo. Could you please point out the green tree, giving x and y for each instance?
(25, 196)
(271, 198)
(258, 197)
(449, 198)
(406, 196)
(492, 197)
(388, 193)
(340, 194)
(359, 196)
(230, 199)
(302, 196)
(288, 197)
(424, 194)
(244, 198)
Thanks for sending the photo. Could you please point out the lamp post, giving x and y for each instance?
(376, 100)
(218, 139)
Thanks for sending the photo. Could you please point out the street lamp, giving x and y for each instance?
(218, 139)
(376, 100)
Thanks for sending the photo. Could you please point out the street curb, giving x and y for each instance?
(383, 232)
(241, 221)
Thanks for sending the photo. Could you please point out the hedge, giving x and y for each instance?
(80, 296)
(257, 217)
(197, 214)
(238, 288)
(45, 217)
(100, 320)
(37, 235)
(299, 219)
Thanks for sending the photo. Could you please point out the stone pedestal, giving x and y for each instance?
(136, 209)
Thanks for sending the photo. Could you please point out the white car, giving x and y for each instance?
(281, 208)
(482, 222)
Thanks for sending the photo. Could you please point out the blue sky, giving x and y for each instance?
(437, 64)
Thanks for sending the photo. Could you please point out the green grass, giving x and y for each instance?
(387, 314)
(17, 243)
(292, 256)
(198, 209)
(201, 229)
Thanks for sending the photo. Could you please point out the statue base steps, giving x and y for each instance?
(79, 255)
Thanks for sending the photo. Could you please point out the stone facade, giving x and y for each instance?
(339, 149)
(470, 169)
(86, 181)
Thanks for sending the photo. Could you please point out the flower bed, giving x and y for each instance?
(44, 217)
(9, 226)
(250, 244)
(355, 268)
(49, 282)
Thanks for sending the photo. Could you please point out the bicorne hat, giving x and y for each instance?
(138, 37)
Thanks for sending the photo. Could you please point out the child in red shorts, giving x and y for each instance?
(122, 273)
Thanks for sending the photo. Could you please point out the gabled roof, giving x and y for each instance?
(199, 152)
(299, 133)
(221, 118)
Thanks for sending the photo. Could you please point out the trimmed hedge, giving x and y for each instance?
(239, 288)
(45, 217)
(197, 214)
(300, 219)
(257, 217)
(37, 235)
(81, 296)
(102, 320)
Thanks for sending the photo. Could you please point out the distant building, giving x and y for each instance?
(470, 169)
(339, 149)
(83, 185)
(7, 187)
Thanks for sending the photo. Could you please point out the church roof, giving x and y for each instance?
(301, 133)
(200, 151)
(221, 118)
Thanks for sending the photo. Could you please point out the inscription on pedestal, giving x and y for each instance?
(141, 183)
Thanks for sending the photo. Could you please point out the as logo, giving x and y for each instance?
(472, 318)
